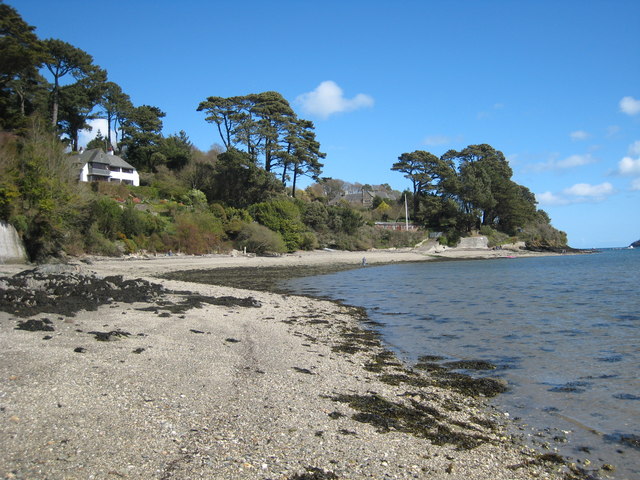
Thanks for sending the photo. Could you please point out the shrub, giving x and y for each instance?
(308, 241)
(199, 233)
(107, 216)
(259, 239)
(282, 216)
(97, 244)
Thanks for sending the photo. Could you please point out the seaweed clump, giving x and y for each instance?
(415, 419)
(314, 473)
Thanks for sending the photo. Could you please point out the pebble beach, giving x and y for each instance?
(206, 381)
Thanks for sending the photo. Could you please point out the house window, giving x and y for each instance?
(114, 169)
(127, 170)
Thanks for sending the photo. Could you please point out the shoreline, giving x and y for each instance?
(295, 388)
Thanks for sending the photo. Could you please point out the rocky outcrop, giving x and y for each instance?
(636, 244)
(11, 247)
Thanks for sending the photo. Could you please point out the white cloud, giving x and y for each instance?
(548, 198)
(579, 135)
(630, 106)
(97, 125)
(588, 190)
(575, 161)
(635, 185)
(629, 166)
(328, 98)
(572, 161)
(578, 193)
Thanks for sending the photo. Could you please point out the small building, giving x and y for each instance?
(97, 166)
(364, 197)
(398, 226)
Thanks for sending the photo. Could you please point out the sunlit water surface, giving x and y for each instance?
(564, 332)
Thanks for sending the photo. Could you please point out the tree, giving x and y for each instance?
(274, 116)
(426, 172)
(264, 125)
(77, 103)
(238, 182)
(222, 112)
(98, 142)
(485, 179)
(302, 154)
(142, 137)
(177, 150)
(21, 55)
(61, 59)
(116, 106)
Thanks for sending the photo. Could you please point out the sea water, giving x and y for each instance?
(564, 332)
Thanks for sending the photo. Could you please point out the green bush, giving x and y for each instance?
(309, 241)
(97, 244)
(282, 216)
(494, 237)
(199, 233)
(107, 216)
(259, 239)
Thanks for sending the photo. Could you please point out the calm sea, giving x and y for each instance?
(564, 332)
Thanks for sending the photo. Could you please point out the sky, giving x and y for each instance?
(554, 85)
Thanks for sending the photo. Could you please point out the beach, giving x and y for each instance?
(186, 380)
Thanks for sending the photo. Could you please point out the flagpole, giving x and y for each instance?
(406, 213)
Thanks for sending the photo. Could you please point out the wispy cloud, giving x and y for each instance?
(578, 193)
(488, 113)
(328, 98)
(587, 190)
(630, 106)
(634, 148)
(612, 131)
(437, 140)
(572, 161)
(579, 135)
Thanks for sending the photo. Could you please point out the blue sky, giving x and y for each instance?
(554, 85)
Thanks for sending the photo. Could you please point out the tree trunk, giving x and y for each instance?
(54, 115)
(295, 178)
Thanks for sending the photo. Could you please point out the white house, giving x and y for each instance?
(97, 166)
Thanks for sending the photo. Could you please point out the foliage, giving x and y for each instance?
(259, 239)
(45, 202)
(142, 136)
(238, 182)
(282, 216)
(465, 190)
(264, 126)
(198, 233)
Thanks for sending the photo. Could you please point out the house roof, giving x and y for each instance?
(97, 155)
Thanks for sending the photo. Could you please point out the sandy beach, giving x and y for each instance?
(201, 381)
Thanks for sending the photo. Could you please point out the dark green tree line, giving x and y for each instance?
(466, 190)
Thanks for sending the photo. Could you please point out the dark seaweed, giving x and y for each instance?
(109, 336)
(44, 325)
(416, 419)
(314, 473)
